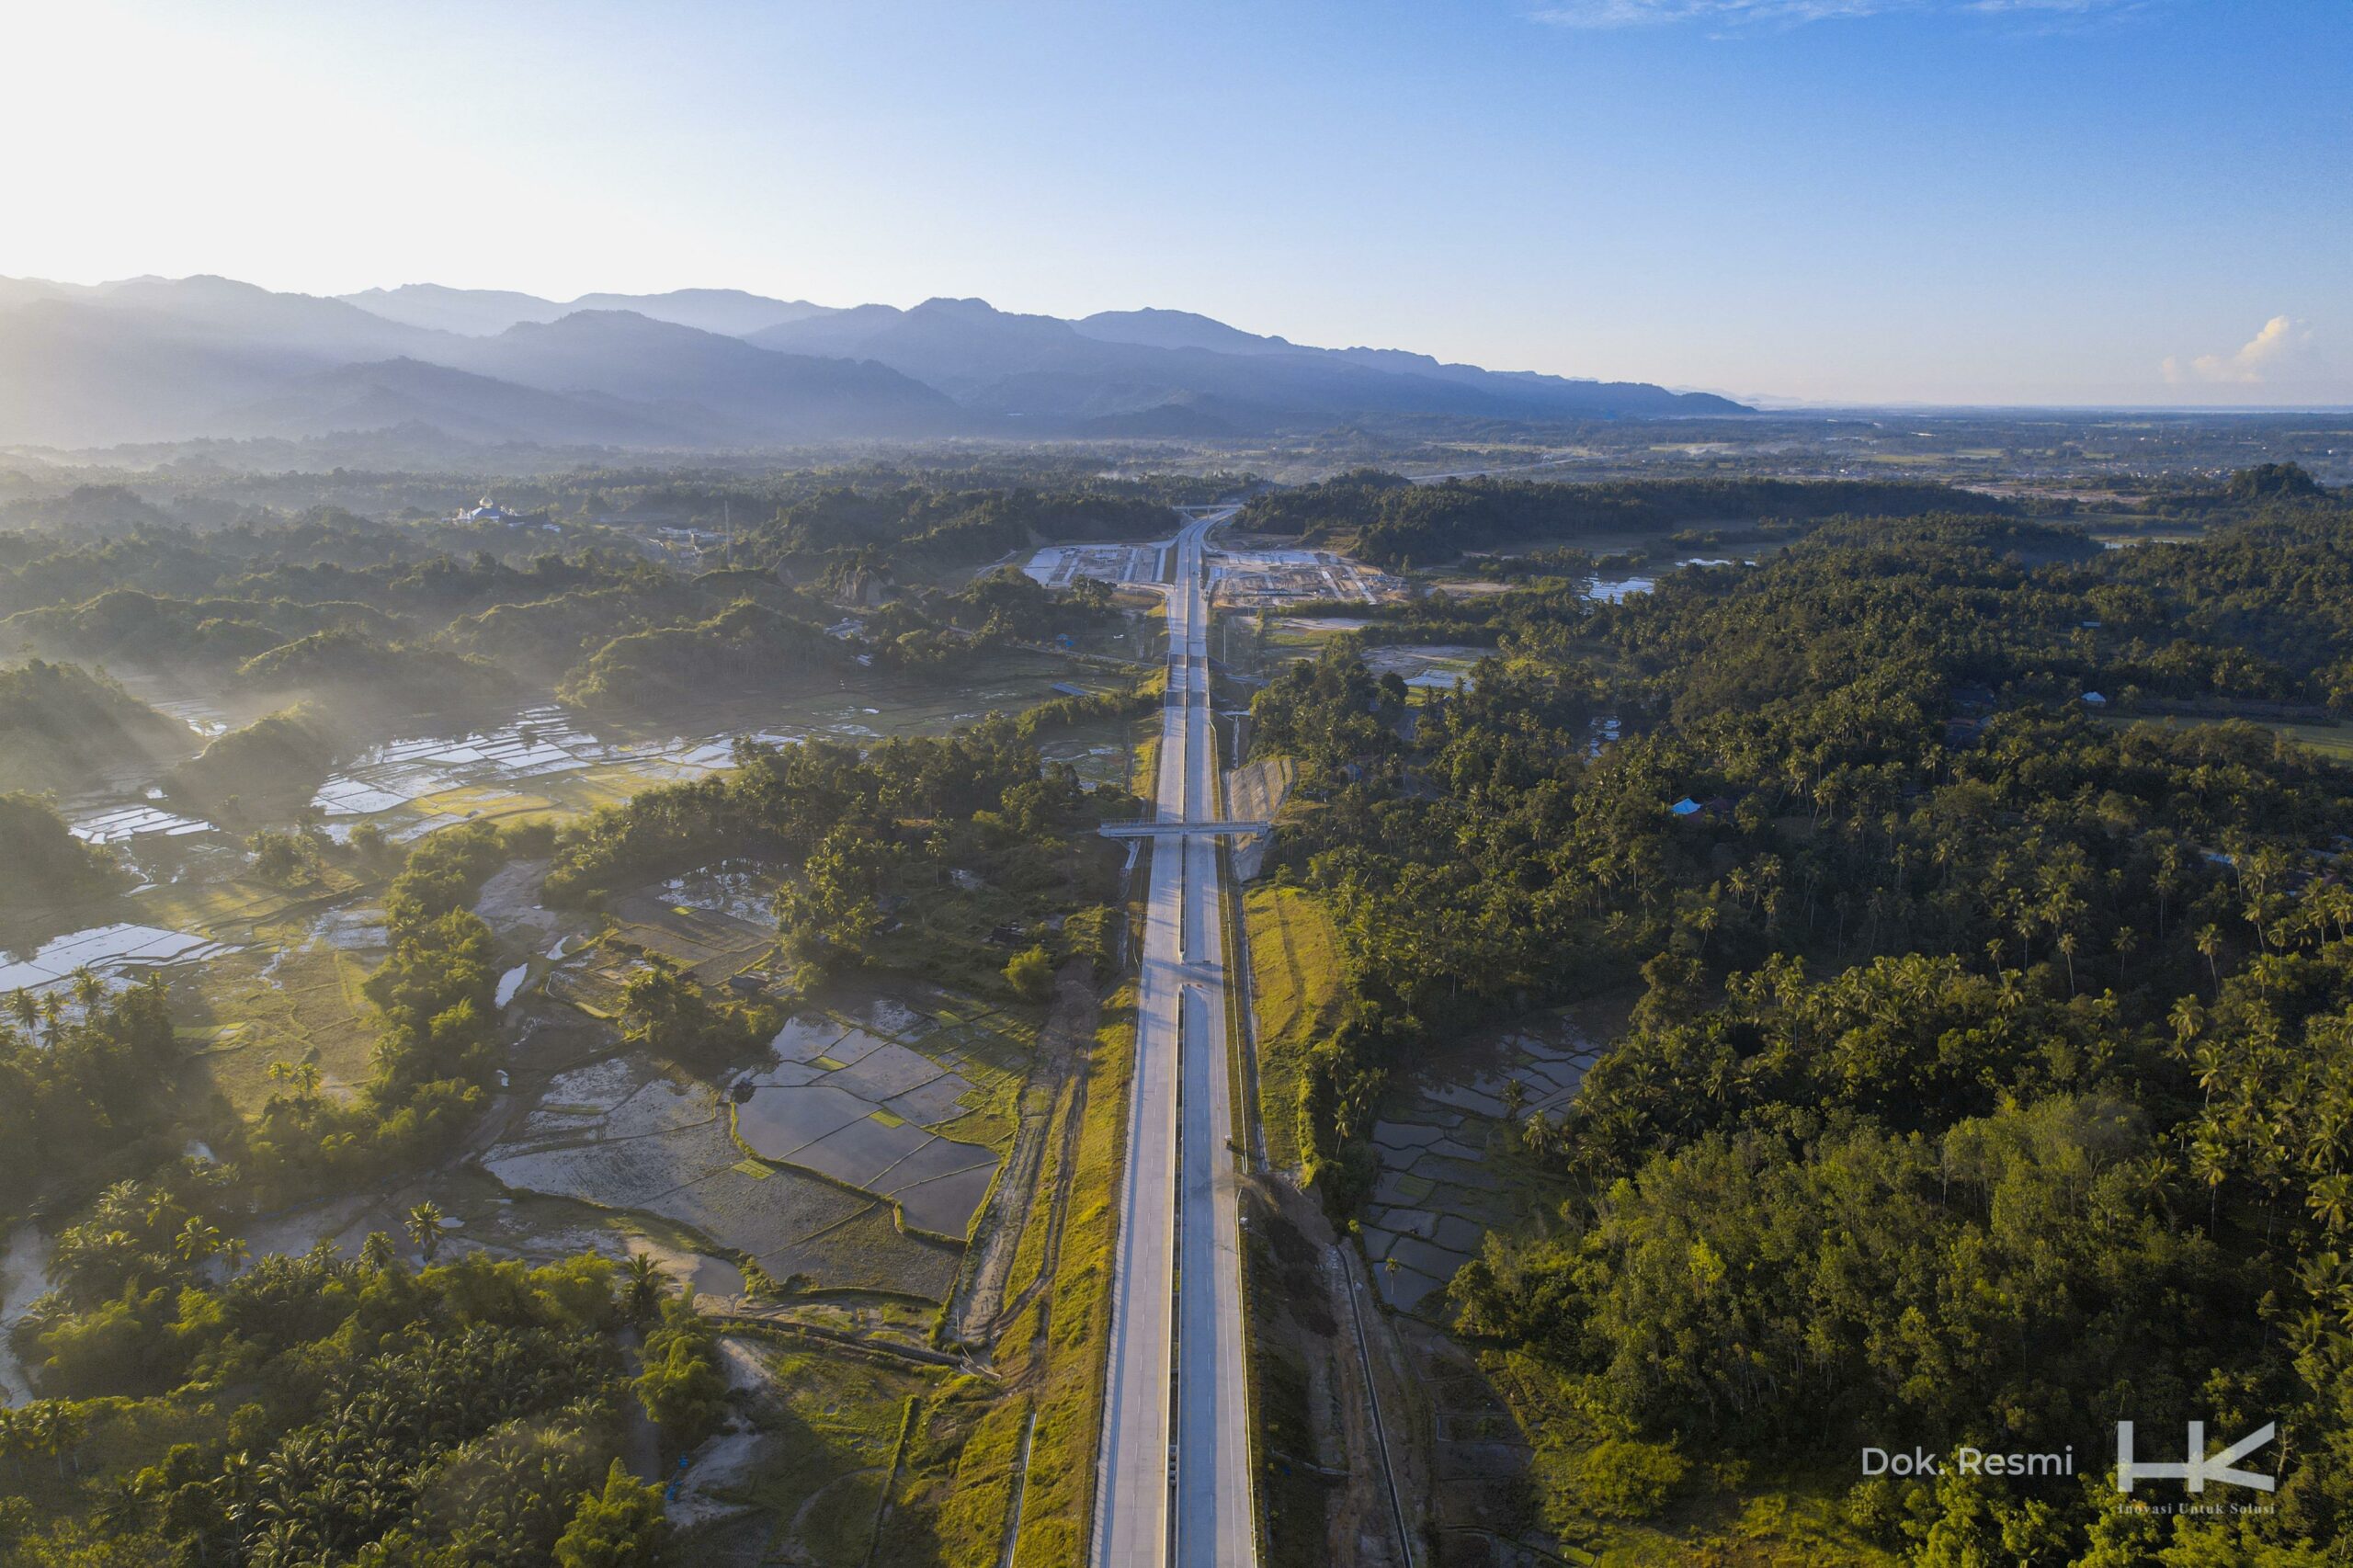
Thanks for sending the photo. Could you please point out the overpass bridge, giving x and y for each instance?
(1181, 829)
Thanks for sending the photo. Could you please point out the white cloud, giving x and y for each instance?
(2268, 351)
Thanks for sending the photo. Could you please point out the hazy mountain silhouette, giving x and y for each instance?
(479, 313)
(745, 391)
(1176, 329)
(396, 394)
(152, 359)
(474, 313)
(1045, 369)
(147, 360)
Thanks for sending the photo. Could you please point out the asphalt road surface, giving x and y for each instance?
(1175, 1480)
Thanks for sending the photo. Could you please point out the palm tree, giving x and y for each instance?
(27, 1011)
(52, 1428)
(376, 1254)
(2210, 1163)
(87, 986)
(425, 1229)
(2210, 943)
(1704, 920)
(305, 1075)
(2186, 1020)
(197, 1241)
(643, 1287)
(2331, 1201)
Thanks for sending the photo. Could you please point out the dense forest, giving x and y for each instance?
(321, 1408)
(60, 726)
(316, 632)
(1991, 1071)
(1394, 523)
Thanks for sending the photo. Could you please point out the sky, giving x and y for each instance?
(2118, 202)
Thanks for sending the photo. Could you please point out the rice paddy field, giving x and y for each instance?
(831, 1184)
(1450, 1165)
(854, 1158)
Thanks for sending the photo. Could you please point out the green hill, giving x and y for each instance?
(60, 726)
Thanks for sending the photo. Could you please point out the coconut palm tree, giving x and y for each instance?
(425, 1229)
(2331, 1201)
(2210, 1163)
(643, 1287)
(376, 1254)
(305, 1076)
(197, 1241)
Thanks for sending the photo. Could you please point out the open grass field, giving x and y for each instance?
(1059, 1341)
(830, 1427)
(955, 1493)
(1144, 780)
(253, 1007)
(2333, 742)
(1295, 978)
(234, 909)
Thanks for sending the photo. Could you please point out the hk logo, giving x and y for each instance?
(2201, 1467)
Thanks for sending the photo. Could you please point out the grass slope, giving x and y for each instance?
(1295, 975)
(1066, 1347)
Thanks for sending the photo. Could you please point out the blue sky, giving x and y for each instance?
(2114, 202)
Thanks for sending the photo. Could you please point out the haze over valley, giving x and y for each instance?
(808, 861)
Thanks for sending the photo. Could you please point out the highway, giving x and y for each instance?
(1174, 1487)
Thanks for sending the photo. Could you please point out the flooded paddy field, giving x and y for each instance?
(1449, 1167)
(1435, 667)
(1101, 752)
(860, 1107)
(621, 1134)
(112, 952)
(854, 1157)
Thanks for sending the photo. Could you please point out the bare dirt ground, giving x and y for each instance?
(979, 1308)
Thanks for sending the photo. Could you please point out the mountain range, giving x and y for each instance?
(151, 359)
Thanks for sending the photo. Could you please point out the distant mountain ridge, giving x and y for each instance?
(152, 359)
(482, 312)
